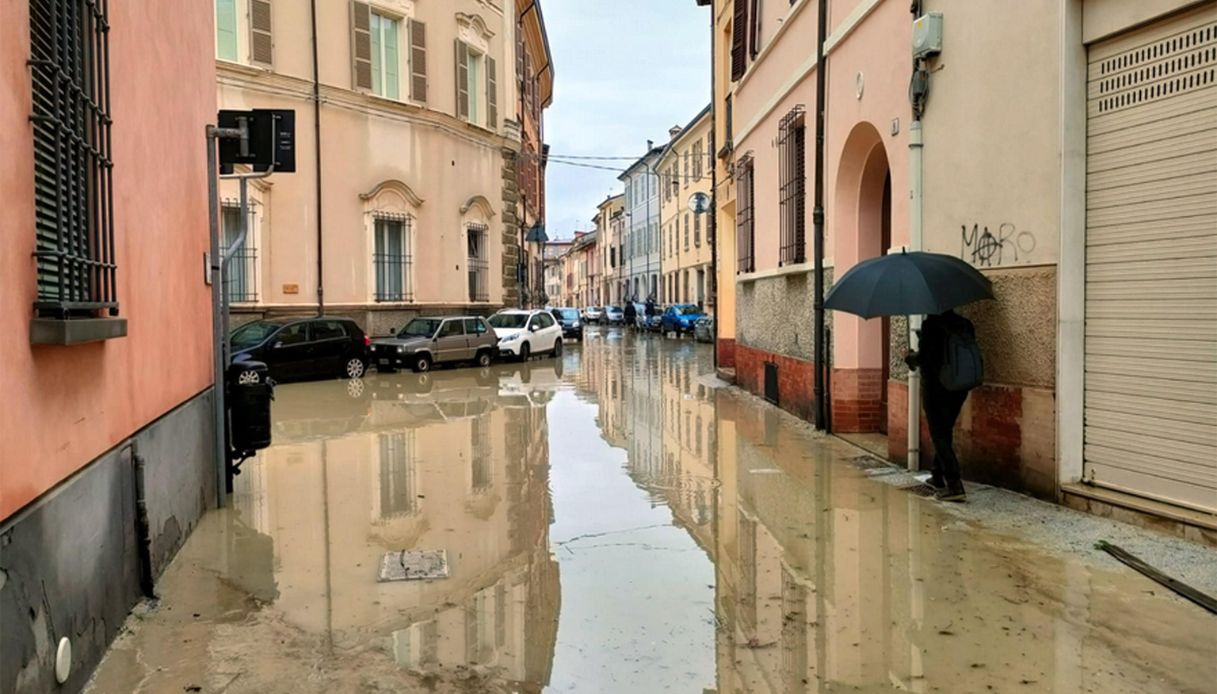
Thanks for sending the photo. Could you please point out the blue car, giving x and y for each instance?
(680, 318)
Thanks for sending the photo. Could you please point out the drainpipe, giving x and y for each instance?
(317, 157)
(712, 222)
(821, 333)
(143, 528)
(918, 92)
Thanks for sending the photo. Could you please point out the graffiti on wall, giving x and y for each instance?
(984, 248)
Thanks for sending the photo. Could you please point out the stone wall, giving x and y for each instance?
(511, 229)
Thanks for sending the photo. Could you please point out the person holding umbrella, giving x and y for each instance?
(948, 356)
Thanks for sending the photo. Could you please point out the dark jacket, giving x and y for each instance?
(932, 347)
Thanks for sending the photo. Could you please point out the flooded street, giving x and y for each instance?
(619, 522)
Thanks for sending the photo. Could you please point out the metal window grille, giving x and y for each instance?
(398, 476)
(241, 271)
(745, 234)
(391, 258)
(73, 171)
(792, 141)
(479, 264)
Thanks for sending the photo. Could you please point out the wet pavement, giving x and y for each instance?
(618, 522)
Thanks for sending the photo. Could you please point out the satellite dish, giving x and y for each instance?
(699, 203)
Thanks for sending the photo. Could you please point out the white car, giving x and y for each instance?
(593, 314)
(523, 334)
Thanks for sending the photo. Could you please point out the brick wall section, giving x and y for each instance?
(511, 231)
(726, 353)
(857, 400)
(795, 378)
(1005, 436)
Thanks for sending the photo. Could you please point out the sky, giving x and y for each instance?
(625, 71)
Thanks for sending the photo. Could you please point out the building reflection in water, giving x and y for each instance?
(456, 461)
(826, 580)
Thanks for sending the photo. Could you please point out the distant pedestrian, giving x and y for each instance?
(951, 365)
(631, 313)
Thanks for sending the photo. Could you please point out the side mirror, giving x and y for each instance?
(277, 345)
(533, 328)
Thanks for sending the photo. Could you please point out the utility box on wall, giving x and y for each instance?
(927, 35)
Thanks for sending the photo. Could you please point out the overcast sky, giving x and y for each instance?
(625, 71)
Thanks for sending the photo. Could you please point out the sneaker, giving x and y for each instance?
(936, 481)
(953, 491)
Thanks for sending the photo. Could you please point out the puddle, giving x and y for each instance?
(613, 522)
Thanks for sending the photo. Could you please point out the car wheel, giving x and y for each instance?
(557, 351)
(355, 368)
(484, 358)
(525, 352)
(422, 363)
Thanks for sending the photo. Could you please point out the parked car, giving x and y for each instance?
(703, 329)
(425, 342)
(522, 333)
(303, 349)
(593, 314)
(569, 319)
(613, 315)
(680, 318)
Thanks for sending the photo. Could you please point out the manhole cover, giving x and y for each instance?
(413, 565)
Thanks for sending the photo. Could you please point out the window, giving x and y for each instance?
(452, 328)
(754, 30)
(739, 39)
(386, 60)
(792, 192)
(697, 230)
(392, 259)
(240, 272)
(73, 202)
(294, 334)
(478, 262)
(328, 330)
(476, 86)
(745, 237)
(226, 29)
(686, 231)
(475, 326)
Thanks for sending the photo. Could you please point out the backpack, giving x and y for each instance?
(963, 366)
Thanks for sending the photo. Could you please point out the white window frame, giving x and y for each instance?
(379, 58)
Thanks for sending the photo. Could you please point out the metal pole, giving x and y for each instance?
(217, 335)
(821, 332)
(915, 243)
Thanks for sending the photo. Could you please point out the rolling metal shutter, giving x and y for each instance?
(1151, 262)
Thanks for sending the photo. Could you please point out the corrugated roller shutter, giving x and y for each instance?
(1151, 262)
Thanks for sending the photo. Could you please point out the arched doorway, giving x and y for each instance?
(862, 229)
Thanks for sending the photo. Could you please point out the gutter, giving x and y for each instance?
(317, 159)
(821, 332)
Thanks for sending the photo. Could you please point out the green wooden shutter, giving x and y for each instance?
(226, 29)
(392, 60)
(492, 94)
(361, 45)
(261, 45)
(418, 61)
(462, 80)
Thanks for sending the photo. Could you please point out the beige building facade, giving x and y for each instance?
(685, 252)
(1066, 203)
(609, 219)
(410, 203)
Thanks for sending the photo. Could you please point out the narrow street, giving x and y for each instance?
(619, 521)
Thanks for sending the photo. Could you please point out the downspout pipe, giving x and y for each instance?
(817, 216)
(918, 92)
(317, 159)
(712, 222)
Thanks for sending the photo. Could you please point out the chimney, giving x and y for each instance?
(650, 146)
(674, 132)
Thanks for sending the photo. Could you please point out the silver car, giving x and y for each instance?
(425, 342)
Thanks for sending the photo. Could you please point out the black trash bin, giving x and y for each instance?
(250, 392)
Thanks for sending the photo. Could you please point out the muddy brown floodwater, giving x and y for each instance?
(615, 522)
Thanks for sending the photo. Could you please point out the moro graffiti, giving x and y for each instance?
(984, 248)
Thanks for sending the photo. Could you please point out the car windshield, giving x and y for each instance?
(509, 321)
(567, 313)
(615, 309)
(252, 334)
(420, 327)
(686, 310)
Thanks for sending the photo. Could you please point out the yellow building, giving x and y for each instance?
(685, 249)
(609, 220)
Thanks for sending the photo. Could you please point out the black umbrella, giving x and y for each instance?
(904, 284)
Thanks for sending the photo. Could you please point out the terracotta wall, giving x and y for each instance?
(64, 406)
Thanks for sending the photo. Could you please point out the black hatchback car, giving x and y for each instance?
(570, 320)
(304, 349)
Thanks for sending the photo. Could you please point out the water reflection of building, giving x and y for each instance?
(689, 439)
(454, 461)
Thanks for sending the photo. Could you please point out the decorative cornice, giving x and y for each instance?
(395, 186)
(480, 202)
(476, 23)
